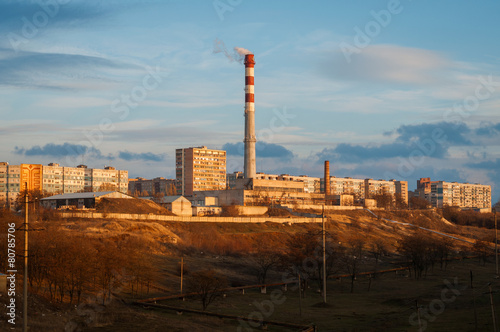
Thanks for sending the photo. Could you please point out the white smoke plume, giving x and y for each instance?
(242, 51)
(238, 54)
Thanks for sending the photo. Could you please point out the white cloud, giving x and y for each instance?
(389, 63)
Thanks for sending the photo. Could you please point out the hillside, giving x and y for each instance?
(130, 205)
(146, 257)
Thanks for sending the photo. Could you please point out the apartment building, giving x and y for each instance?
(347, 186)
(56, 179)
(463, 195)
(366, 188)
(311, 184)
(159, 185)
(199, 169)
(402, 189)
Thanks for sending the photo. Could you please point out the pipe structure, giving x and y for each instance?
(250, 139)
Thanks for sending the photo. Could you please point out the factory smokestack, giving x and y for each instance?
(327, 177)
(250, 139)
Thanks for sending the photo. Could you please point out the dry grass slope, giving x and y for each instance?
(130, 205)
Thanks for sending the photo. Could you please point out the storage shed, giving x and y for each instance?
(178, 205)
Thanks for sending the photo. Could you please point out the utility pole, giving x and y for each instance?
(182, 271)
(496, 240)
(418, 315)
(324, 254)
(300, 295)
(492, 310)
(25, 279)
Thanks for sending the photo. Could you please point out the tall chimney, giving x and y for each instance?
(249, 168)
(327, 177)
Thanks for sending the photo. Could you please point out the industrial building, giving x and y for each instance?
(57, 179)
(86, 200)
(199, 168)
(463, 195)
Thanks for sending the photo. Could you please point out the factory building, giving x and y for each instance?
(56, 179)
(199, 168)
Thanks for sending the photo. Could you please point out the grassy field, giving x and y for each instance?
(445, 299)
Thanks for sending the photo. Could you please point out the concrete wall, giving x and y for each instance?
(204, 210)
(90, 215)
(370, 203)
(327, 207)
(252, 210)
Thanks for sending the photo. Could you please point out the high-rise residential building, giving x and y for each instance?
(141, 186)
(462, 195)
(347, 186)
(199, 169)
(56, 179)
(402, 190)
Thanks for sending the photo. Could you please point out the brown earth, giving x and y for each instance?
(130, 205)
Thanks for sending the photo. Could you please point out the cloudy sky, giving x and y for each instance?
(383, 89)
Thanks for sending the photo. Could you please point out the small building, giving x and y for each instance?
(86, 200)
(178, 205)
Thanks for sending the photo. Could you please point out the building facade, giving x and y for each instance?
(140, 186)
(359, 189)
(56, 179)
(463, 195)
(199, 169)
(362, 189)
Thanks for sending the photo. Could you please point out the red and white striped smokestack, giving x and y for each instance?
(250, 139)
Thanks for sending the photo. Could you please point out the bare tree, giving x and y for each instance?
(418, 250)
(353, 257)
(400, 203)
(207, 284)
(264, 258)
(482, 249)
(379, 248)
(303, 255)
(418, 203)
(383, 200)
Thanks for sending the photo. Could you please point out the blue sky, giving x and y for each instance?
(382, 89)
